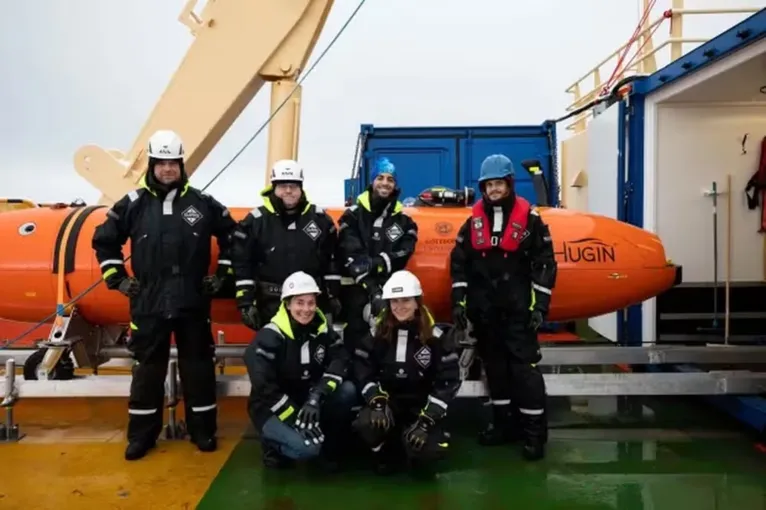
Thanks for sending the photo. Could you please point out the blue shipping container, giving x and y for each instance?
(451, 156)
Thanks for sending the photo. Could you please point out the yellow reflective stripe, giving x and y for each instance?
(108, 273)
(267, 204)
(282, 321)
(364, 200)
(230, 271)
(240, 293)
(133, 326)
(142, 184)
(431, 321)
(286, 413)
(186, 188)
(332, 385)
(533, 301)
(444, 445)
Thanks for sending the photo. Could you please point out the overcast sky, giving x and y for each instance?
(90, 71)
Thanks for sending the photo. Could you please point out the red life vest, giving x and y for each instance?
(515, 229)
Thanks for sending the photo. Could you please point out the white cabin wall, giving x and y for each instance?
(574, 185)
(602, 188)
(696, 145)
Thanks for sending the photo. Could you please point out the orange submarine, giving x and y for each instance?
(603, 264)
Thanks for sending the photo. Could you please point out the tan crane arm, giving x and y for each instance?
(239, 45)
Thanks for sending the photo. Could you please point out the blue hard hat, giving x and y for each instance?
(496, 166)
(382, 166)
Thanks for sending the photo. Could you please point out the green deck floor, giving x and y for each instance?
(604, 453)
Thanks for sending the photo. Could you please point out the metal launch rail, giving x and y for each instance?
(714, 382)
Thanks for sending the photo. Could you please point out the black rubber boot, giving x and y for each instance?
(535, 430)
(206, 444)
(326, 463)
(389, 460)
(138, 449)
(503, 428)
(273, 460)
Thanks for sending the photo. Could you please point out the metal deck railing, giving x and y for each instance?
(658, 18)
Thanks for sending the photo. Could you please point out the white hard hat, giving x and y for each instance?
(402, 284)
(299, 283)
(287, 170)
(165, 144)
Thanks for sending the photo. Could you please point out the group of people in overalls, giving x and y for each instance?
(346, 354)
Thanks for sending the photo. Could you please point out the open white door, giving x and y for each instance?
(602, 189)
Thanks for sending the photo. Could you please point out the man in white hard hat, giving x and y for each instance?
(170, 225)
(284, 235)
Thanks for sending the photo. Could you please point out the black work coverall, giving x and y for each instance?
(285, 362)
(414, 377)
(269, 245)
(170, 234)
(500, 290)
(376, 238)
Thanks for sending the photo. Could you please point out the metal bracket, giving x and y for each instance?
(220, 360)
(9, 431)
(175, 429)
(73, 332)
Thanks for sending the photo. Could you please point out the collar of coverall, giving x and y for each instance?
(152, 186)
(282, 320)
(268, 192)
(365, 201)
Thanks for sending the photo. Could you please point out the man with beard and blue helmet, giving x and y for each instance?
(503, 271)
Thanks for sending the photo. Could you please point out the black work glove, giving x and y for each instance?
(211, 284)
(250, 317)
(381, 416)
(417, 433)
(459, 317)
(308, 416)
(358, 268)
(536, 319)
(312, 436)
(376, 304)
(334, 307)
(129, 286)
(376, 264)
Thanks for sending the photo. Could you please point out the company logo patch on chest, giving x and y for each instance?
(423, 356)
(319, 354)
(191, 215)
(312, 230)
(394, 232)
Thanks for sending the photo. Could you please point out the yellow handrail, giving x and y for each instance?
(644, 61)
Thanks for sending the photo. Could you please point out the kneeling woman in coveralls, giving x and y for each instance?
(297, 364)
(408, 372)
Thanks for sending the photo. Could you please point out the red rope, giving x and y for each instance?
(625, 50)
(646, 41)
